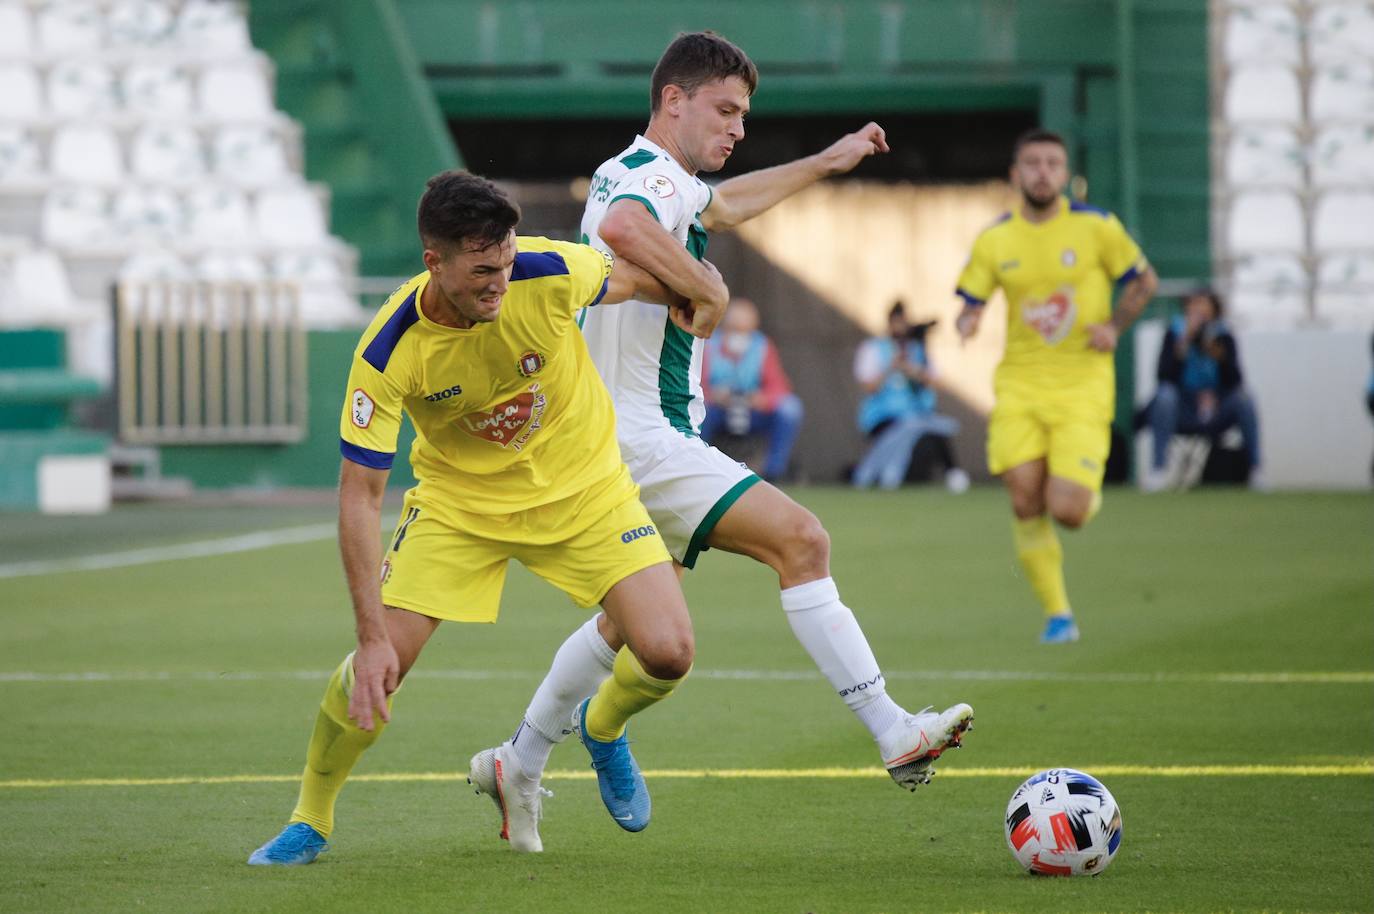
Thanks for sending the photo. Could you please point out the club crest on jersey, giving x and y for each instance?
(1068, 258)
(531, 363)
(659, 186)
(1052, 318)
(363, 408)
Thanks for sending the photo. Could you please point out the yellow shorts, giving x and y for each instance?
(437, 568)
(1073, 437)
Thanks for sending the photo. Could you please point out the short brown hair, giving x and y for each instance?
(1037, 135)
(693, 59)
(460, 207)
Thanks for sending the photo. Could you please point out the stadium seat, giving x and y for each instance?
(1270, 274)
(292, 217)
(70, 27)
(21, 92)
(218, 215)
(1342, 92)
(1260, 92)
(157, 90)
(1267, 33)
(139, 23)
(1344, 221)
(1345, 291)
(225, 266)
(1265, 221)
(16, 30)
(76, 216)
(86, 154)
(42, 290)
(1264, 155)
(324, 297)
(77, 89)
(19, 154)
(148, 214)
(250, 155)
(151, 265)
(1343, 155)
(214, 26)
(236, 92)
(1341, 32)
(167, 152)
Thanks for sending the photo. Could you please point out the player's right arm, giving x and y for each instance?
(633, 234)
(976, 285)
(375, 665)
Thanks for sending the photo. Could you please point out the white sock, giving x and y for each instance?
(831, 635)
(584, 660)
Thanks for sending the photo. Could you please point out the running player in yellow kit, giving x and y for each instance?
(1057, 262)
(516, 457)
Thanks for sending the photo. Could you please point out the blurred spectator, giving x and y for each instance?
(747, 392)
(898, 408)
(1201, 389)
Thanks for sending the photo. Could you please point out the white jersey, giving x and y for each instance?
(651, 367)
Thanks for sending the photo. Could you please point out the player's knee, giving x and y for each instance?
(1026, 505)
(806, 546)
(669, 657)
(1070, 516)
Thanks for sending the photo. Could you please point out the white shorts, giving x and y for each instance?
(685, 484)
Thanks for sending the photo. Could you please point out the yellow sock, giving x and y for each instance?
(624, 694)
(335, 745)
(1037, 546)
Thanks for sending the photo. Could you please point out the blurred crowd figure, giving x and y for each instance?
(747, 391)
(898, 408)
(1201, 389)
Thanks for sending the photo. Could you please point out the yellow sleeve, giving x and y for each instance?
(1121, 256)
(589, 272)
(979, 278)
(371, 417)
(572, 276)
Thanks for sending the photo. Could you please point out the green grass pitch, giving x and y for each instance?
(1192, 608)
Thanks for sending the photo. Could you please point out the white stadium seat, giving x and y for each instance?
(41, 286)
(224, 266)
(1264, 154)
(1343, 154)
(19, 154)
(218, 215)
(21, 92)
(250, 155)
(139, 23)
(212, 25)
(77, 89)
(236, 92)
(1260, 92)
(167, 152)
(324, 296)
(1268, 292)
(148, 214)
(1344, 221)
(1343, 92)
(75, 216)
(71, 26)
(16, 30)
(1341, 32)
(150, 265)
(1262, 32)
(157, 89)
(1265, 221)
(85, 154)
(291, 217)
(1345, 291)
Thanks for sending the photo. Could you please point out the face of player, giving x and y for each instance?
(472, 281)
(710, 122)
(1040, 173)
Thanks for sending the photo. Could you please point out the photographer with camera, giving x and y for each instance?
(1201, 389)
(747, 392)
(898, 408)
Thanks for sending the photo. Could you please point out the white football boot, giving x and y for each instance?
(496, 773)
(914, 742)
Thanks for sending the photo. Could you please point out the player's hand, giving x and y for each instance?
(376, 674)
(1102, 337)
(967, 323)
(852, 148)
(700, 317)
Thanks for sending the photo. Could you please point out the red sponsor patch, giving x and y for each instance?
(1052, 318)
(503, 422)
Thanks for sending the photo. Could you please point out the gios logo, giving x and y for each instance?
(629, 536)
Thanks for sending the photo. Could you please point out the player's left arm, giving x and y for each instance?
(628, 280)
(1128, 267)
(741, 199)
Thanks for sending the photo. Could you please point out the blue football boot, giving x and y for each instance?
(617, 774)
(297, 845)
(1060, 629)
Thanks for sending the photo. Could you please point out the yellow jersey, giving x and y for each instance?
(509, 415)
(1058, 277)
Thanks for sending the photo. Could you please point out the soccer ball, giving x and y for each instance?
(1063, 822)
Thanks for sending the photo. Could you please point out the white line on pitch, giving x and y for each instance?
(1356, 677)
(246, 542)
